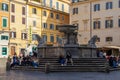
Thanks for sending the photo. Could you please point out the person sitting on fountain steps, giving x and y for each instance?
(61, 59)
(68, 57)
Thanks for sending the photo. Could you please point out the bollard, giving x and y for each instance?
(47, 68)
(107, 67)
(7, 66)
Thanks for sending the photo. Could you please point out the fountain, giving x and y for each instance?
(70, 43)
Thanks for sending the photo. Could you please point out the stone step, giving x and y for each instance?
(28, 68)
(94, 69)
(75, 63)
(74, 58)
(60, 68)
(82, 64)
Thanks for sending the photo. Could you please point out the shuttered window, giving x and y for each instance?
(12, 18)
(4, 50)
(23, 10)
(4, 37)
(23, 20)
(12, 34)
(4, 22)
(51, 38)
(12, 7)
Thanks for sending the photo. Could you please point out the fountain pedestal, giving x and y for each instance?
(70, 35)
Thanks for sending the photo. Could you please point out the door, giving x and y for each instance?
(12, 50)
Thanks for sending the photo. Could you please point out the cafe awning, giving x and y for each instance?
(112, 47)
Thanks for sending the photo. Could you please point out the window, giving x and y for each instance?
(97, 7)
(108, 23)
(12, 7)
(34, 23)
(75, 11)
(51, 3)
(96, 25)
(109, 39)
(51, 38)
(56, 27)
(119, 4)
(44, 37)
(4, 50)
(23, 20)
(34, 11)
(45, 25)
(57, 5)
(109, 5)
(12, 34)
(51, 15)
(63, 7)
(62, 17)
(44, 2)
(52, 26)
(4, 7)
(98, 39)
(23, 10)
(44, 13)
(57, 16)
(57, 38)
(12, 18)
(119, 22)
(73, 1)
(34, 37)
(23, 36)
(4, 22)
(4, 37)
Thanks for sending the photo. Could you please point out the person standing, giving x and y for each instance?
(68, 57)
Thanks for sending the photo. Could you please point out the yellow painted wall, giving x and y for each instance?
(54, 21)
(34, 17)
(30, 17)
(46, 19)
(18, 27)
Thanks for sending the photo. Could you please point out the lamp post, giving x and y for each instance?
(91, 23)
(90, 19)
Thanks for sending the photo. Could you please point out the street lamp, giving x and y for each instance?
(90, 19)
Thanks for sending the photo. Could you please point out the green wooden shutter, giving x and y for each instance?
(4, 22)
(1, 37)
(2, 6)
(6, 37)
(4, 51)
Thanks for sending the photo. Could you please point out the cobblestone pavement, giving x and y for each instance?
(32, 75)
(29, 75)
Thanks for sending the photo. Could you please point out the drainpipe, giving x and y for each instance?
(9, 27)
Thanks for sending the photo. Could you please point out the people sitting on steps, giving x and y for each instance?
(61, 59)
(14, 61)
(23, 61)
(35, 62)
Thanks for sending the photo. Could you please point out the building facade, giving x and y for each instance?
(97, 17)
(31, 17)
(18, 34)
(4, 28)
